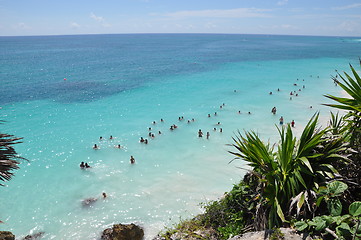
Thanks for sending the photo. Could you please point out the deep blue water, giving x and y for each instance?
(33, 68)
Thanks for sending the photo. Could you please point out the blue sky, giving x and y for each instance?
(291, 17)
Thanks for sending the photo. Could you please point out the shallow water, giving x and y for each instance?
(118, 85)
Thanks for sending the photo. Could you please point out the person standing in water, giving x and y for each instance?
(293, 123)
(281, 120)
(132, 160)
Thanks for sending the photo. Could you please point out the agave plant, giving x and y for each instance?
(352, 104)
(295, 167)
(8, 156)
(351, 84)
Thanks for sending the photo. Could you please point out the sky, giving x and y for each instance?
(285, 17)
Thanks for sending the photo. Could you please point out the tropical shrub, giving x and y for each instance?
(351, 84)
(290, 173)
(338, 226)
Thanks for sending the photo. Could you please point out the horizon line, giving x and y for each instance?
(260, 34)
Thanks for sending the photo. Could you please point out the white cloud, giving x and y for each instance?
(349, 26)
(74, 25)
(282, 2)
(356, 5)
(22, 25)
(97, 18)
(100, 20)
(217, 13)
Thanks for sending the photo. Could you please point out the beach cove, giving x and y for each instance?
(62, 93)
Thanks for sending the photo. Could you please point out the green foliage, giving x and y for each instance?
(276, 234)
(234, 211)
(341, 227)
(9, 160)
(351, 126)
(330, 194)
(355, 209)
(296, 166)
(337, 225)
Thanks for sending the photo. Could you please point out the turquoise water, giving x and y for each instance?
(118, 85)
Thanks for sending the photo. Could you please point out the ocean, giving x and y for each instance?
(62, 93)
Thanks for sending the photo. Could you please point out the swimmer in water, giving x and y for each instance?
(82, 165)
(200, 133)
(132, 160)
(95, 146)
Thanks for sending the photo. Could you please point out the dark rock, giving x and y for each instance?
(5, 235)
(123, 232)
(34, 236)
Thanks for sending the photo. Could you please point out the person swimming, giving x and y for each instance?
(200, 133)
(274, 110)
(95, 146)
(82, 165)
(132, 160)
(141, 139)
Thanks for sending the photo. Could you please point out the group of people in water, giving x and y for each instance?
(200, 132)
